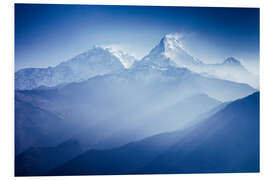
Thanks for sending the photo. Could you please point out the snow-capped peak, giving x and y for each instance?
(170, 51)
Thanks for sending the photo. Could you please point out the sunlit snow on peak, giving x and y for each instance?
(172, 41)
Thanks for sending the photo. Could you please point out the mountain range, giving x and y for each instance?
(105, 60)
(96, 61)
(105, 112)
(170, 51)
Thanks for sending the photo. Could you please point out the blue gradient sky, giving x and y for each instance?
(48, 34)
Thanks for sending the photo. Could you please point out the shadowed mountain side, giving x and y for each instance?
(228, 141)
(118, 160)
(37, 161)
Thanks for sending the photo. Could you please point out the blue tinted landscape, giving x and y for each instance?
(115, 90)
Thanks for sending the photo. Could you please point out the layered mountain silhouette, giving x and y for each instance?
(105, 112)
(231, 143)
(227, 141)
(82, 105)
(38, 160)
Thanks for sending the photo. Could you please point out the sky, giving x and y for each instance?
(46, 35)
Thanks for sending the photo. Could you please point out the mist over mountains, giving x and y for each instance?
(219, 143)
(225, 140)
(105, 112)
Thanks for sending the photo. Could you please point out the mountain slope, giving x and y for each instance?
(228, 141)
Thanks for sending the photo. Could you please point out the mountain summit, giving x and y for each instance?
(171, 52)
(171, 41)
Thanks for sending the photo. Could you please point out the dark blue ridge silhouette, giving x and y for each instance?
(227, 141)
(37, 161)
